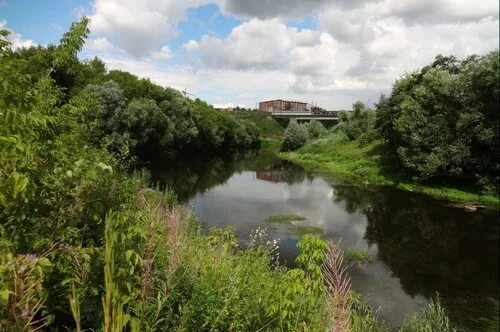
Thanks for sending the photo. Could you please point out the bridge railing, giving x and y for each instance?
(304, 113)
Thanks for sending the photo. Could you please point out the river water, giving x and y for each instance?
(420, 247)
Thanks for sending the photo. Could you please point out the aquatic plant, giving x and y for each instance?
(284, 218)
(358, 256)
(302, 230)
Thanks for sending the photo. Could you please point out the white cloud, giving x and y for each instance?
(226, 105)
(357, 51)
(412, 11)
(164, 54)
(309, 60)
(17, 41)
(249, 45)
(266, 9)
(99, 45)
(178, 77)
(388, 47)
(139, 27)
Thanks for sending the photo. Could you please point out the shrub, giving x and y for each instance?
(315, 129)
(295, 136)
(358, 124)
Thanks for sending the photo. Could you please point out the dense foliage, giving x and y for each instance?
(294, 137)
(359, 124)
(86, 245)
(443, 120)
(268, 127)
(315, 129)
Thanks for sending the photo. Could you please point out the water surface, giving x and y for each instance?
(421, 247)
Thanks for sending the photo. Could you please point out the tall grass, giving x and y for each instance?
(22, 293)
(431, 318)
(80, 267)
(112, 301)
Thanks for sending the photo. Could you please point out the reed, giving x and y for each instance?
(338, 286)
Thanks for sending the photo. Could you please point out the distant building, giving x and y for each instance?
(271, 175)
(283, 105)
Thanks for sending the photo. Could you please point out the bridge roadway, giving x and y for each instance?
(312, 115)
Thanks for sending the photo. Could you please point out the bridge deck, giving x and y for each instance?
(314, 115)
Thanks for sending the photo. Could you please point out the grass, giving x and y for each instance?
(431, 318)
(364, 165)
(268, 143)
(284, 218)
(358, 255)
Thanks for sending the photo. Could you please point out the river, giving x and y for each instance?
(420, 247)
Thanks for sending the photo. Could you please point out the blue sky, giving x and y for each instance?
(39, 20)
(237, 52)
(43, 21)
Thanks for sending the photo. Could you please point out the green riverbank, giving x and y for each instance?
(363, 165)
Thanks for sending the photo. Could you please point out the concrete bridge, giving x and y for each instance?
(319, 115)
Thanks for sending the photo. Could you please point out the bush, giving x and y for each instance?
(358, 124)
(295, 136)
(315, 129)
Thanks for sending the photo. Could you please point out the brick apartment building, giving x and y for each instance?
(283, 105)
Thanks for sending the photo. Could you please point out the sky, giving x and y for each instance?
(240, 52)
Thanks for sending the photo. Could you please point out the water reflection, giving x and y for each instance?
(422, 247)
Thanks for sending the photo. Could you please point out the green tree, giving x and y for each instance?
(294, 137)
(358, 124)
(315, 129)
(443, 120)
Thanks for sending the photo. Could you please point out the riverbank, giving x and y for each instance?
(363, 165)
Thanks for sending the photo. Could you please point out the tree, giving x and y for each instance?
(443, 120)
(112, 101)
(358, 124)
(294, 137)
(315, 129)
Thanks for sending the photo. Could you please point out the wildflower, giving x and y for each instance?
(31, 258)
